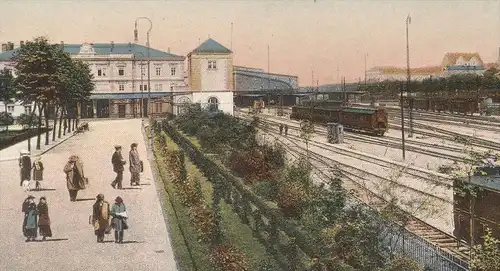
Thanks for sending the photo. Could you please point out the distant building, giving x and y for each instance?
(16, 109)
(257, 79)
(210, 76)
(460, 63)
(120, 77)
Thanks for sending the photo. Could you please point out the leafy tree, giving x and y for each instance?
(486, 257)
(36, 69)
(27, 119)
(400, 262)
(7, 94)
(306, 132)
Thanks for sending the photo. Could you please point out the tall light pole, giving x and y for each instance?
(365, 67)
(408, 79)
(402, 123)
(142, 85)
(149, 58)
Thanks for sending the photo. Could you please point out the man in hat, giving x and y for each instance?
(75, 178)
(100, 217)
(118, 162)
(25, 165)
(134, 164)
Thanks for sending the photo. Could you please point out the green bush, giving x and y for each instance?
(266, 189)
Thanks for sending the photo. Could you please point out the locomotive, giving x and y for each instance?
(370, 120)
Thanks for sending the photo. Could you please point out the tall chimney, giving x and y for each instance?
(21, 43)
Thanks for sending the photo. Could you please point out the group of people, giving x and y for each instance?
(27, 167)
(283, 126)
(36, 217)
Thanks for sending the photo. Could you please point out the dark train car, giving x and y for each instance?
(352, 118)
(485, 207)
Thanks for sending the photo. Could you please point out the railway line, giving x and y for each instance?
(444, 241)
(493, 126)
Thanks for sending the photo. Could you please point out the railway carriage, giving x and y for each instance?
(352, 118)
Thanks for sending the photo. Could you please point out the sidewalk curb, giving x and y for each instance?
(43, 152)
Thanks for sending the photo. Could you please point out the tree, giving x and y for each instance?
(7, 94)
(306, 132)
(6, 118)
(36, 68)
(486, 257)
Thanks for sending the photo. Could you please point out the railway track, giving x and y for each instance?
(472, 119)
(429, 233)
(394, 143)
(493, 127)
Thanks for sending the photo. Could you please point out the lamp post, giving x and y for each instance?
(402, 123)
(408, 79)
(142, 85)
(149, 58)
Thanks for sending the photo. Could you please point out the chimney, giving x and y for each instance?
(21, 43)
(112, 46)
(10, 46)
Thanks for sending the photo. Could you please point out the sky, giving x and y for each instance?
(319, 41)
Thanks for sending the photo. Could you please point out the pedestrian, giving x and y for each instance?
(118, 162)
(43, 219)
(281, 128)
(30, 218)
(134, 165)
(286, 129)
(25, 166)
(100, 218)
(38, 171)
(75, 178)
(119, 221)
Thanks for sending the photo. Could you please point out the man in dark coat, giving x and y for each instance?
(118, 162)
(25, 165)
(134, 165)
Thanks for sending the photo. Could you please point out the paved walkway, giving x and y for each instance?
(73, 246)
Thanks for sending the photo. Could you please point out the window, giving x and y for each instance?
(99, 72)
(145, 87)
(212, 65)
(27, 110)
(213, 104)
(103, 71)
(143, 70)
(171, 88)
(172, 71)
(160, 87)
(158, 108)
(121, 71)
(10, 108)
(156, 87)
(140, 87)
(121, 87)
(158, 71)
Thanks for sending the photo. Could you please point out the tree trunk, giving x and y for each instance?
(60, 122)
(47, 125)
(56, 109)
(6, 114)
(31, 124)
(39, 126)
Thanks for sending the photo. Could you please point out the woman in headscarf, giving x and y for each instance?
(100, 217)
(119, 221)
(30, 218)
(43, 219)
(38, 171)
(75, 179)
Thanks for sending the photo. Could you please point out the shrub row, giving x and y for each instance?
(188, 188)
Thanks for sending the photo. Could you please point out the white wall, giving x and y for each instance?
(214, 79)
(225, 99)
(16, 109)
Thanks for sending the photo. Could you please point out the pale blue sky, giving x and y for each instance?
(302, 35)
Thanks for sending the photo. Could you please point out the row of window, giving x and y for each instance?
(101, 72)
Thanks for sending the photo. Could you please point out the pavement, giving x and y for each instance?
(73, 245)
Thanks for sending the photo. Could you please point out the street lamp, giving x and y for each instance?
(410, 100)
(142, 85)
(149, 58)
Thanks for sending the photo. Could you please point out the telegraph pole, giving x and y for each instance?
(410, 100)
(402, 123)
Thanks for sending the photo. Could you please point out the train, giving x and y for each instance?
(368, 120)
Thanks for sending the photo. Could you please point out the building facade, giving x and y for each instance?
(121, 78)
(210, 77)
(452, 63)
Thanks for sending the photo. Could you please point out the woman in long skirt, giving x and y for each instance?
(44, 220)
(119, 221)
(30, 222)
(38, 171)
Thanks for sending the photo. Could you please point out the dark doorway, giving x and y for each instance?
(103, 108)
(121, 110)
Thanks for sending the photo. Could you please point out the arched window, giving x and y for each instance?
(213, 104)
